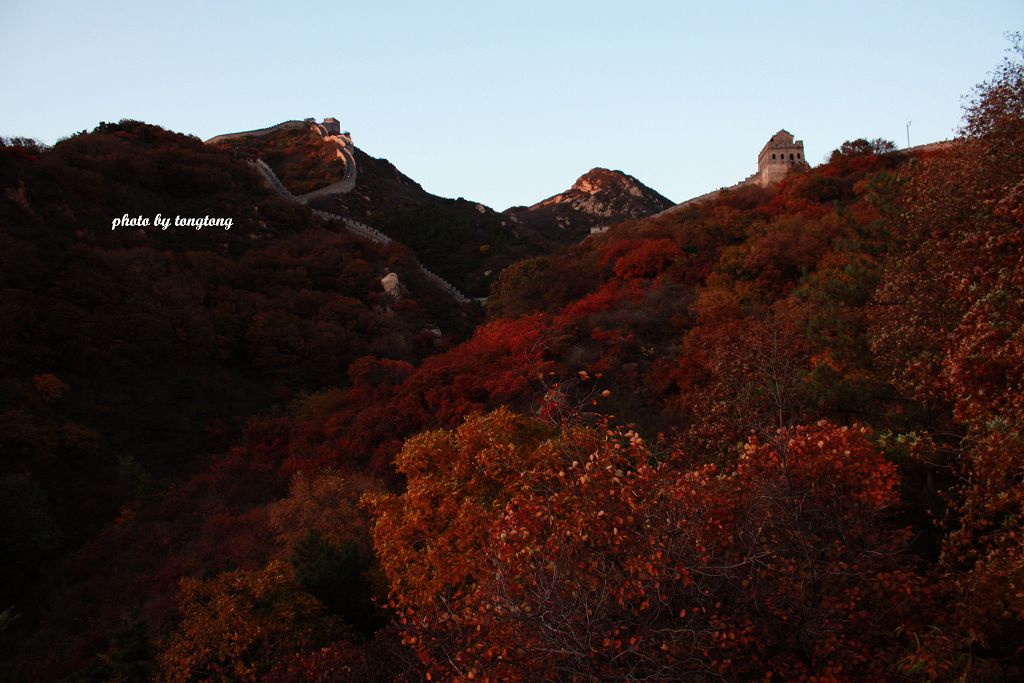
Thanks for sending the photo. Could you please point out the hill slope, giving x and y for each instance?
(777, 433)
(463, 241)
(131, 354)
(599, 198)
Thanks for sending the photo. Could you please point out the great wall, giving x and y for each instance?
(780, 155)
(786, 154)
(330, 131)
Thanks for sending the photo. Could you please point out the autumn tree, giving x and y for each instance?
(742, 376)
(593, 558)
(237, 625)
(457, 484)
(948, 329)
(130, 658)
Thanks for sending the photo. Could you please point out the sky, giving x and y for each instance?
(508, 103)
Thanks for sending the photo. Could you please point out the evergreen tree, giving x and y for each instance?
(336, 577)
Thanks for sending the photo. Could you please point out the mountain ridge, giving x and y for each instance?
(597, 199)
(465, 242)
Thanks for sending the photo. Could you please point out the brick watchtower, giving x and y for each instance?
(779, 156)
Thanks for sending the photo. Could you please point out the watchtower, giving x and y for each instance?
(780, 155)
(332, 125)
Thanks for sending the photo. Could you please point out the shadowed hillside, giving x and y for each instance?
(775, 434)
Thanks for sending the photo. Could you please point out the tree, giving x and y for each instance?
(337, 578)
(29, 534)
(457, 484)
(237, 625)
(948, 328)
(586, 557)
(130, 658)
(862, 147)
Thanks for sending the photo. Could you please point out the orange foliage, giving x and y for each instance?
(238, 625)
(588, 557)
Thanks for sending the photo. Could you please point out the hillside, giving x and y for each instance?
(130, 355)
(463, 241)
(775, 434)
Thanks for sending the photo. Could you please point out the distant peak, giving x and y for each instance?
(604, 193)
(598, 179)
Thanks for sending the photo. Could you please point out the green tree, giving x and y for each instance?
(862, 147)
(130, 658)
(29, 536)
(337, 578)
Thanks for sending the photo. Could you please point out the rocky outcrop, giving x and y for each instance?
(609, 194)
(392, 286)
(598, 198)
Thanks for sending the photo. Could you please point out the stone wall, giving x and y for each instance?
(287, 125)
(753, 178)
(346, 184)
(348, 181)
(446, 286)
(330, 133)
(272, 179)
(361, 229)
(928, 147)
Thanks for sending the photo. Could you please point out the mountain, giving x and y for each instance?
(153, 347)
(463, 241)
(599, 198)
(707, 331)
(776, 433)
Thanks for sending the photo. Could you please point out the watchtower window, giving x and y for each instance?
(791, 157)
(798, 155)
(773, 156)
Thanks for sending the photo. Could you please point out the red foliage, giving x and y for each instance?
(610, 295)
(650, 259)
(581, 558)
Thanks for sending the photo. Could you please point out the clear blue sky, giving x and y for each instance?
(509, 104)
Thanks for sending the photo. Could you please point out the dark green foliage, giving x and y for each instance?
(544, 283)
(862, 147)
(29, 536)
(130, 658)
(455, 240)
(337, 578)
